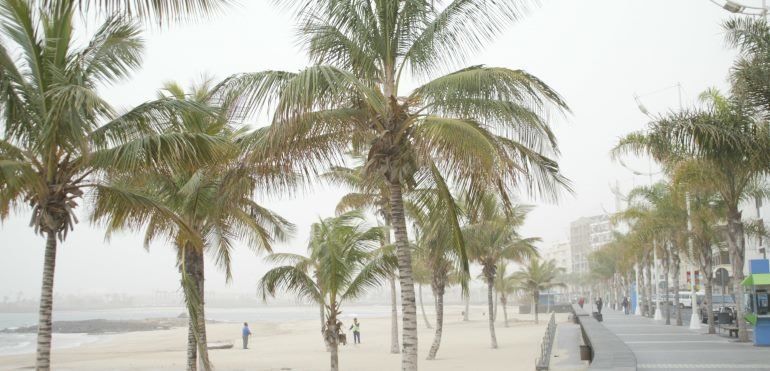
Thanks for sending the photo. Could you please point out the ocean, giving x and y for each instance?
(25, 343)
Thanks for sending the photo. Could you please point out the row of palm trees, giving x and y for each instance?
(716, 158)
(185, 169)
(345, 257)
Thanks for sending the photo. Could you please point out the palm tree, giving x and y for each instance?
(439, 260)
(422, 275)
(478, 128)
(344, 248)
(369, 194)
(213, 199)
(505, 285)
(750, 71)
(728, 144)
(59, 137)
(538, 276)
(493, 238)
(159, 11)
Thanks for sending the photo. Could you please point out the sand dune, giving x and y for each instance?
(297, 345)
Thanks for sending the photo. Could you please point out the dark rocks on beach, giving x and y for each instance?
(102, 326)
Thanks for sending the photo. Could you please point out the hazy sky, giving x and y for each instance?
(597, 54)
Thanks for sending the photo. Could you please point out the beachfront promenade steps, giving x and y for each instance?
(609, 351)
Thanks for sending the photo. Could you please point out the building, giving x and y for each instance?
(561, 254)
(586, 235)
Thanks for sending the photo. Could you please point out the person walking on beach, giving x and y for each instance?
(356, 327)
(246, 333)
(625, 304)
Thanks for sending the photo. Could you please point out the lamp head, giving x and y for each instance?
(733, 7)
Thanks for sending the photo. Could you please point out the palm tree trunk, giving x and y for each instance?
(666, 268)
(332, 328)
(504, 302)
(535, 298)
(422, 307)
(467, 301)
(408, 303)
(676, 261)
(393, 318)
(192, 345)
(490, 288)
(650, 307)
(494, 312)
(438, 295)
(737, 246)
(194, 262)
(46, 305)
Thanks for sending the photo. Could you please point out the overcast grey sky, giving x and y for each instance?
(596, 53)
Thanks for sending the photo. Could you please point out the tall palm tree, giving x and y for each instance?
(422, 275)
(477, 128)
(60, 137)
(750, 72)
(214, 199)
(439, 259)
(368, 194)
(493, 238)
(538, 276)
(505, 284)
(344, 248)
(729, 146)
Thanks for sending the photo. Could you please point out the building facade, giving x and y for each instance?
(561, 254)
(586, 235)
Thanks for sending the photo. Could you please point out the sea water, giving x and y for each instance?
(25, 343)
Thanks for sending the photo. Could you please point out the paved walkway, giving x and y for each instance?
(660, 347)
(565, 355)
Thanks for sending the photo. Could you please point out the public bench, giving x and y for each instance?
(731, 329)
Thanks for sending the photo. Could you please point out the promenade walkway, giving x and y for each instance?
(660, 347)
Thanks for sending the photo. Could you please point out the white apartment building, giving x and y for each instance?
(560, 253)
(586, 235)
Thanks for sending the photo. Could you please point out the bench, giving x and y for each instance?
(731, 329)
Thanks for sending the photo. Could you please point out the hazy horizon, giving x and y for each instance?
(596, 54)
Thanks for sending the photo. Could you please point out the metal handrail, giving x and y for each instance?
(544, 360)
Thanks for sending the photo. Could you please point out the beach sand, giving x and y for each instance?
(297, 345)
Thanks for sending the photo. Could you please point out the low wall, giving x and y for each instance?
(609, 352)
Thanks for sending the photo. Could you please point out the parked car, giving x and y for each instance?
(685, 299)
(721, 304)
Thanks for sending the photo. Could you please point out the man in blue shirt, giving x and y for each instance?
(246, 333)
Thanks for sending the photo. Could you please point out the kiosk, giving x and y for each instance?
(757, 289)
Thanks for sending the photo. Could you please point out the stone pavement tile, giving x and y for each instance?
(664, 347)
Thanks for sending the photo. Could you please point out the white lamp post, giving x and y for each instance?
(638, 310)
(694, 320)
(658, 315)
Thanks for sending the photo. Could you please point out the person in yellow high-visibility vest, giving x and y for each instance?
(356, 327)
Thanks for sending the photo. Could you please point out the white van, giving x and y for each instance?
(685, 299)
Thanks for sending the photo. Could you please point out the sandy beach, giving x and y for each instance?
(297, 345)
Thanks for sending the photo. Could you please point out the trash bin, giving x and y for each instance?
(585, 353)
(597, 316)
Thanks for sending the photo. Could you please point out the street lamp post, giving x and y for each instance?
(694, 320)
(638, 310)
(656, 281)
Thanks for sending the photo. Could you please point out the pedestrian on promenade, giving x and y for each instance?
(581, 301)
(246, 333)
(625, 304)
(599, 305)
